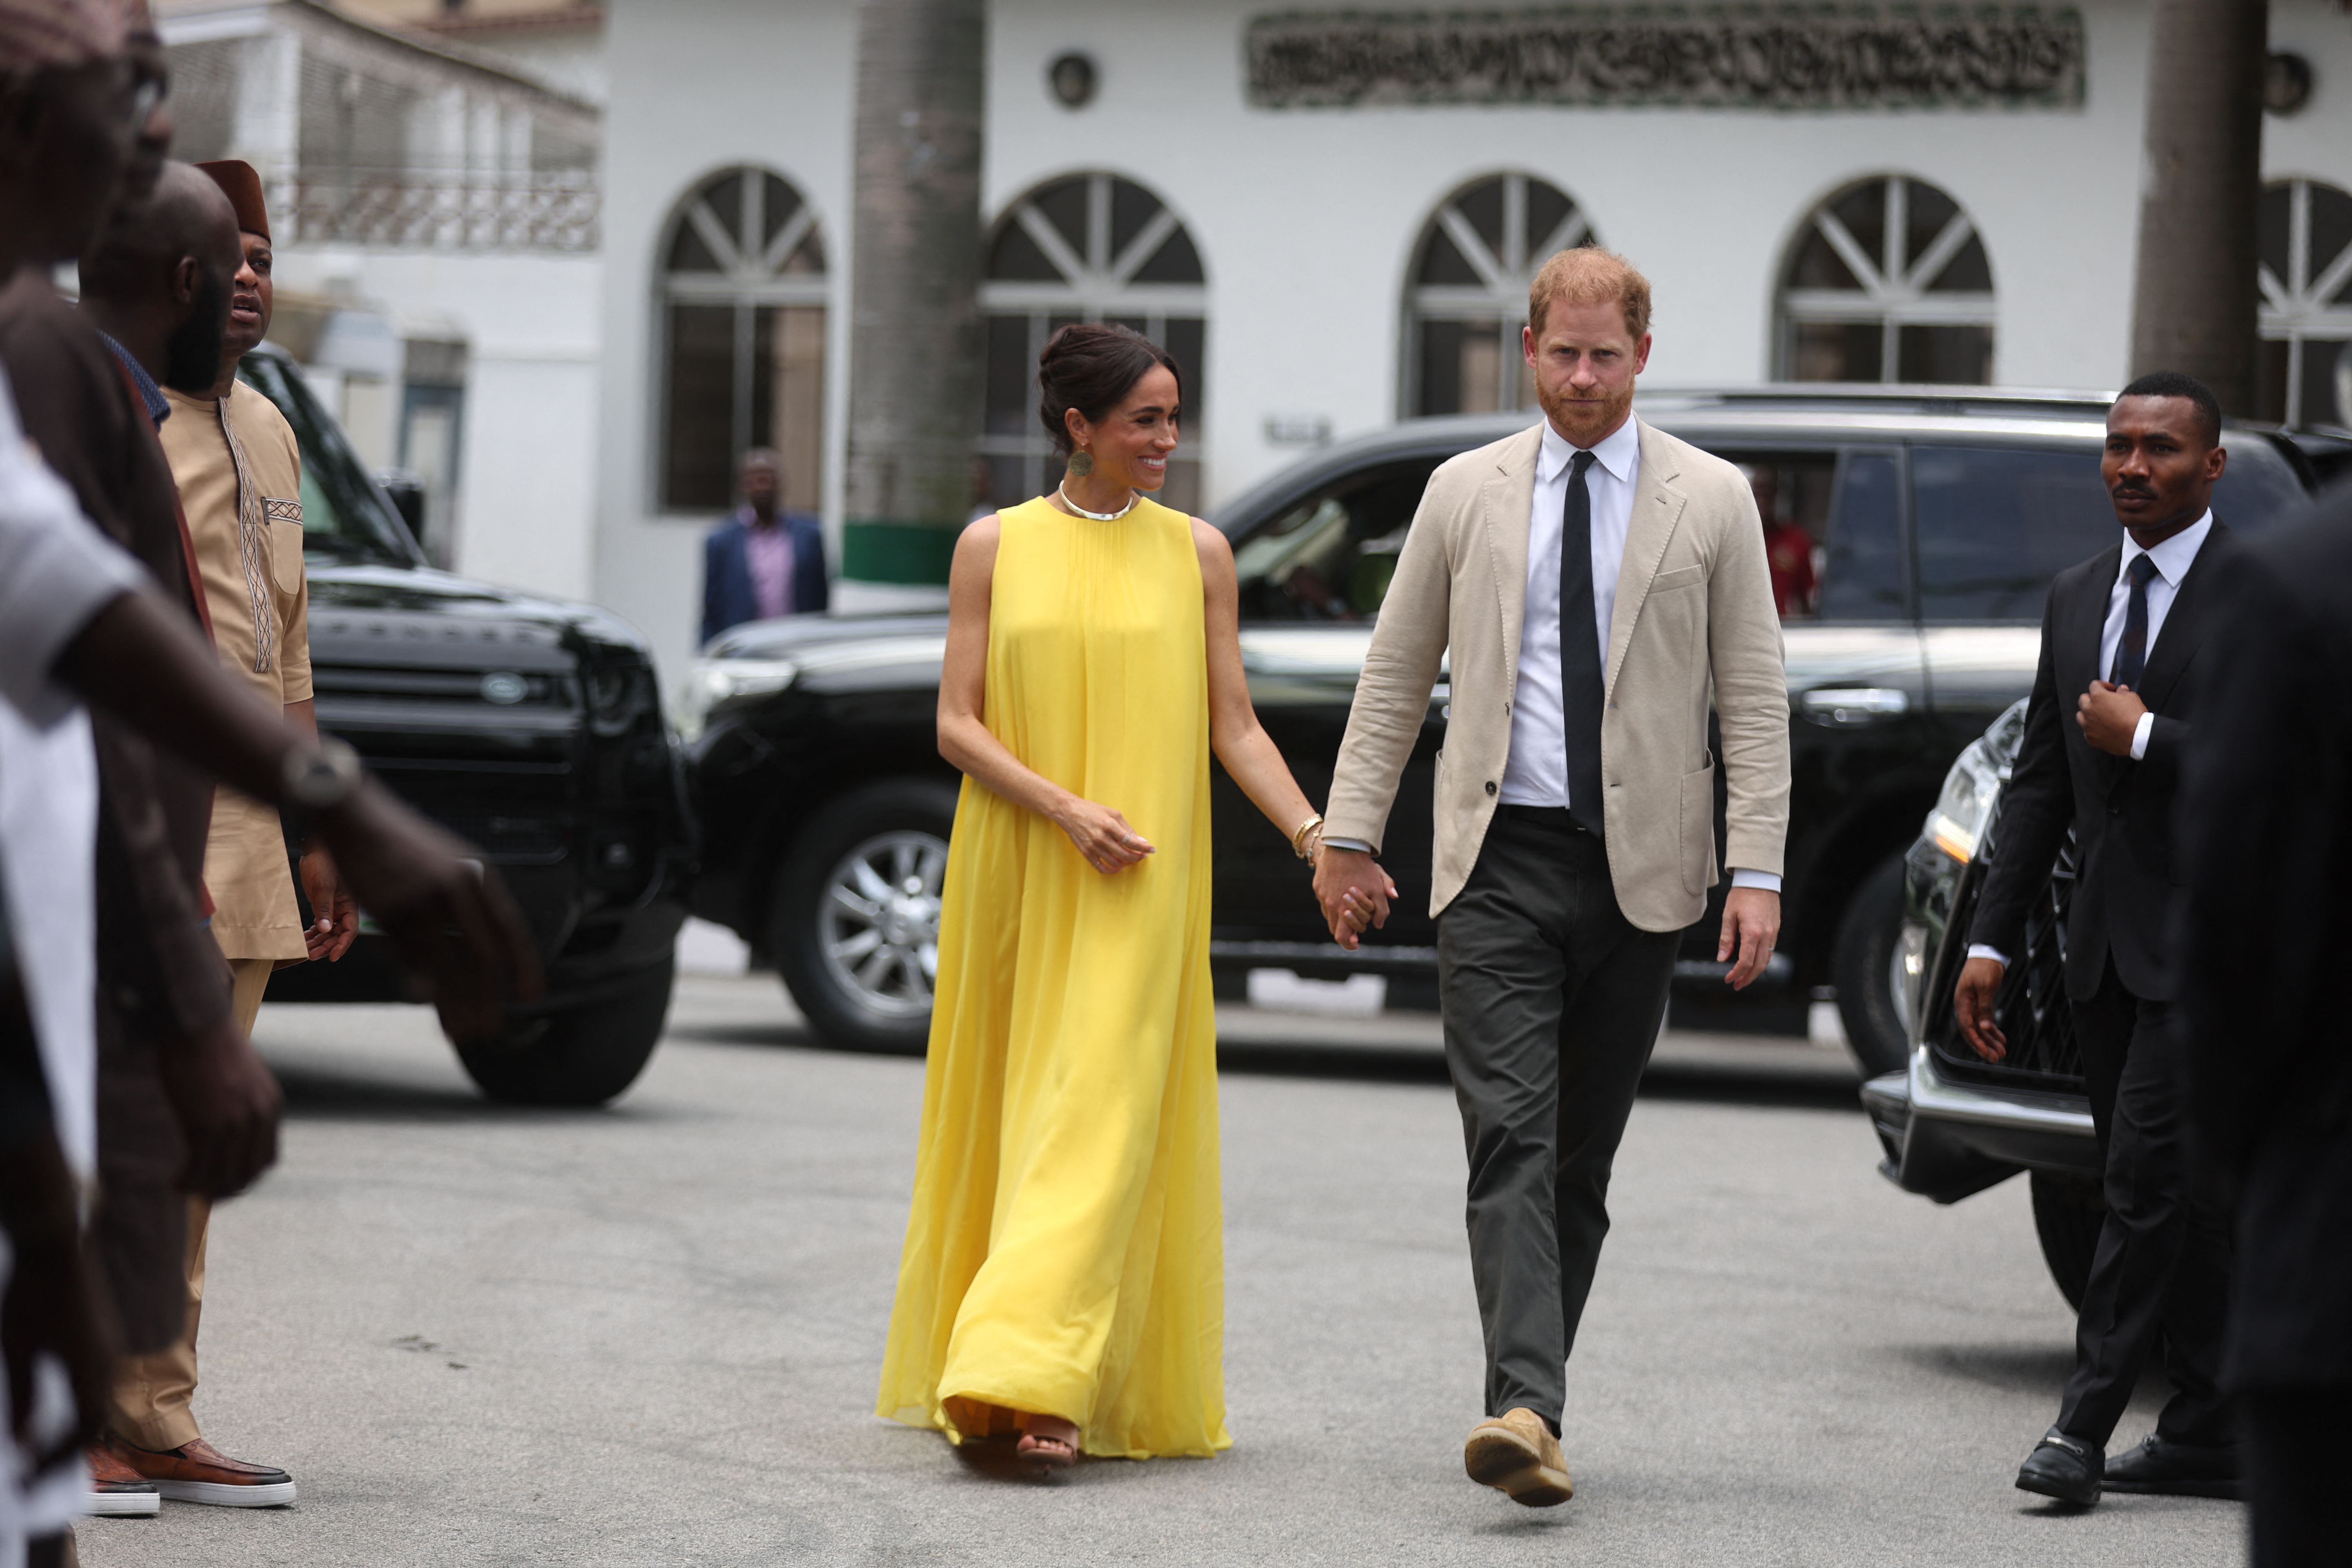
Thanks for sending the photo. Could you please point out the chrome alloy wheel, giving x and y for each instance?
(879, 922)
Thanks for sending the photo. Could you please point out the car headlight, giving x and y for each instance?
(1970, 789)
(713, 683)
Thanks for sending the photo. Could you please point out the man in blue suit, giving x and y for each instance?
(761, 562)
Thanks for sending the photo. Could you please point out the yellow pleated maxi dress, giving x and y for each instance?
(1065, 1253)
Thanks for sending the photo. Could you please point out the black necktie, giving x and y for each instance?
(2131, 653)
(1580, 653)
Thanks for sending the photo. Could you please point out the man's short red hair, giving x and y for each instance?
(1588, 275)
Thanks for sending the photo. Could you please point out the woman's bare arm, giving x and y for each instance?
(1242, 744)
(1101, 834)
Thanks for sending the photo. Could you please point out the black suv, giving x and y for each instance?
(1934, 518)
(531, 728)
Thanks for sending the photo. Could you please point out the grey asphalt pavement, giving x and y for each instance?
(650, 1334)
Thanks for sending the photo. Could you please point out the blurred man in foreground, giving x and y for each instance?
(182, 1103)
(2267, 822)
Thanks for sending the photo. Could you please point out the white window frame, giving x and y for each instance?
(745, 282)
(1096, 286)
(1893, 292)
(2297, 307)
(1501, 293)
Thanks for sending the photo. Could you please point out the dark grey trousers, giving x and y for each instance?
(1553, 1000)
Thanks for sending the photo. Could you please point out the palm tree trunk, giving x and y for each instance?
(2194, 305)
(914, 336)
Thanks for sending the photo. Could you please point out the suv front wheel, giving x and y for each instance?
(856, 921)
(1864, 964)
(583, 1056)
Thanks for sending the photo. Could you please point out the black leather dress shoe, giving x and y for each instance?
(2064, 1468)
(2181, 1470)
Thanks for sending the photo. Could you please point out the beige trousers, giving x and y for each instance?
(152, 1393)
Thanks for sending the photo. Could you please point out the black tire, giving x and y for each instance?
(874, 997)
(2067, 1213)
(585, 1055)
(1861, 965)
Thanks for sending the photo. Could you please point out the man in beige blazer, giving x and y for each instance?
(1575, 803)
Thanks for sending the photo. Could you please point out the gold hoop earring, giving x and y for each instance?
(1081, 464)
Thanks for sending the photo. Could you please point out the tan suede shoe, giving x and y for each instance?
(1516, 1454)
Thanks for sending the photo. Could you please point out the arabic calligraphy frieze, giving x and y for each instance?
(1761, 58)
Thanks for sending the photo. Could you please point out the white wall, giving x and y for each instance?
(1305, 219)
(528, 453)
(695, 89)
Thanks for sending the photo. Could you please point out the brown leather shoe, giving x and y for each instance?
(1516, 1454)
(198, 1472)
(116, 1490)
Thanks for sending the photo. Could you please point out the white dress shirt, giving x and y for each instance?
(2173, 559)
(1537, 772)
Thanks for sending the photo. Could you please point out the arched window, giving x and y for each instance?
(1469, 293)
(1887, 281)
(744, 293)
(2306, 309)
(1086, 247)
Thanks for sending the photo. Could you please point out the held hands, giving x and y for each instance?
(1354, 892)
(2109, 715)
(1972, 1002)
(1751, 925)
(1102, 836)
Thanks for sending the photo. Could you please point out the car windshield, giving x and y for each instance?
(345, 518)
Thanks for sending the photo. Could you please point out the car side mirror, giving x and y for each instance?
(406, 491)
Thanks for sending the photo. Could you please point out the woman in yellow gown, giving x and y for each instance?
(1063, 1273)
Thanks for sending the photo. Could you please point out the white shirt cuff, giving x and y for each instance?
(1978, 950)
(1358, 845)
(2145, 728)
(1768, 880)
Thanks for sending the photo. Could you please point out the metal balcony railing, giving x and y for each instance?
(447, 212)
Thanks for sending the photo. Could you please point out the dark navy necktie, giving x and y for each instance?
(2131, 653)
(1580, 653)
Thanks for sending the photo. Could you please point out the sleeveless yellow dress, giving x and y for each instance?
(1066, 1252)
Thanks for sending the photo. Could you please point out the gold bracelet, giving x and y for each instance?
(1298, 835)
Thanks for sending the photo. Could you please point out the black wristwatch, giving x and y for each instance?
(322, 780)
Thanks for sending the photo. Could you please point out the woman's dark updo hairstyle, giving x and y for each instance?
(1091, 366)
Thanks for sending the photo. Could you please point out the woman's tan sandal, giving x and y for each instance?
(1047, 1452)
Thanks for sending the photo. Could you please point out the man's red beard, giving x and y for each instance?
(1581, 421)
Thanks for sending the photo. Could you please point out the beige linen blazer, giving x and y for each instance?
(1694, 607)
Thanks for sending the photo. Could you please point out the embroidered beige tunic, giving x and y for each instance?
(240, 475)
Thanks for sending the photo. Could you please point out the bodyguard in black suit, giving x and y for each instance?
(2266, 827)
(2128, 643)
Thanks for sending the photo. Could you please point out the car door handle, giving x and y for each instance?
(1851, 707)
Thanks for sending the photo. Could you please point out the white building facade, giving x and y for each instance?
(435, 213)
(1330, 216)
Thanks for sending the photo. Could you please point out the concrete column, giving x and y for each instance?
(2193, 307)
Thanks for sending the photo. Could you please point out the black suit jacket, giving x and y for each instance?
(2266, 947)
(2121, 810)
